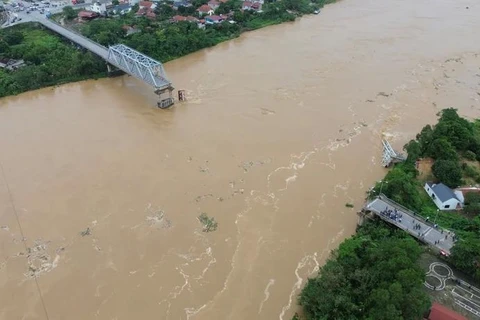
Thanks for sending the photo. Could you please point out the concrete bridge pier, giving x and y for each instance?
(113, 71)
(165, 97)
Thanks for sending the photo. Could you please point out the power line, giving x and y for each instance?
(23, 237)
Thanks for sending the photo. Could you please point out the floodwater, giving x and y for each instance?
(100, 192)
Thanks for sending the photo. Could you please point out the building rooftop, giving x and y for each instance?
(205, 8)
(442, 192)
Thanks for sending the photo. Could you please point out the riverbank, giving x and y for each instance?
(272, 143)
(46, 59)
(50, 61)
(452, 150)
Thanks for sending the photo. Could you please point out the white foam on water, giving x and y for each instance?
(303, 263)
(270, 283)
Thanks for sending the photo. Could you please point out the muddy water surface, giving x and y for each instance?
(100, 192)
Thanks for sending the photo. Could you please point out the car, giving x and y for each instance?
(19, 19)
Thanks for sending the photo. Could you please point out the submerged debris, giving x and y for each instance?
(86, 232)
(383, 94)
(209, 223)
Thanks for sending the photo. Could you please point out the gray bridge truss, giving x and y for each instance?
(138, 65)
(390, 156)
(124, 58)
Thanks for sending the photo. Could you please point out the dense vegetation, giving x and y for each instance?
(454, 144)
(51, 61)
(48, 59)
(163, 40)
(372, 275)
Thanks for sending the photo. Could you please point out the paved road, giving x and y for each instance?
(426, 233)
(122, 57)
(75, 37)
(88, 44)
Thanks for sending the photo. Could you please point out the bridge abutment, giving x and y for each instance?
(165, 97)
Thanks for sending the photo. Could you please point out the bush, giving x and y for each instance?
(372, 275)
(448, 172)
(470, 155)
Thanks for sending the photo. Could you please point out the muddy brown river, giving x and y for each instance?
(100, 192)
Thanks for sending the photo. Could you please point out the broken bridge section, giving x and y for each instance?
(144, 68)
(390, 156)
(138, 65)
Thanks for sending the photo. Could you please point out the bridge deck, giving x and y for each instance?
(126, 59)
(427, 233)
(88, 44)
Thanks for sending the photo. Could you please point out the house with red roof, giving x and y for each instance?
(179, 18)
(147, 5)
(87, 15)
(440, 312)
(205, 10)
(146, 12)
(250, 5)
(214, 4)
(213, 19)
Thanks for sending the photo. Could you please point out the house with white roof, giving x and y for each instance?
(444, 197)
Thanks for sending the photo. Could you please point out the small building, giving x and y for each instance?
(205, 10)
(247, 5)
(99, 8)
(147, 5)
(192, 19)
(257, 6)
(440, 312)
(178, 4)
(214, 4)
(146, 12)
(11, 64)
(444, 197)
(178, 18)
(87, 15)
(252, 5)
(213, 19)
(123, 8)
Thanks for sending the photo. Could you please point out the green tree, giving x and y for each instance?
(441, 148)
(372, 275)
(13, 37)
(466, 255)
(425, 137)
(414, 151)
(472, 203)
(69, 13)
(448, 172)
(115, 2)
(401, 186)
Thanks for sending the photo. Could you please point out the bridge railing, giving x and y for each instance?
(66, 32)
(407, 211)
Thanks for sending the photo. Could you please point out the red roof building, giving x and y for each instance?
(178, 18)
(87, 15)
(439, 312)
(149, 13)
(145, 4)
(192, 19)
(205, 9)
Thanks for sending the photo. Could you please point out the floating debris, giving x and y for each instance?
(209, 223)
(247, 165)
(158, 218)
(383, 94)
(203, 197)
(86, 232)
